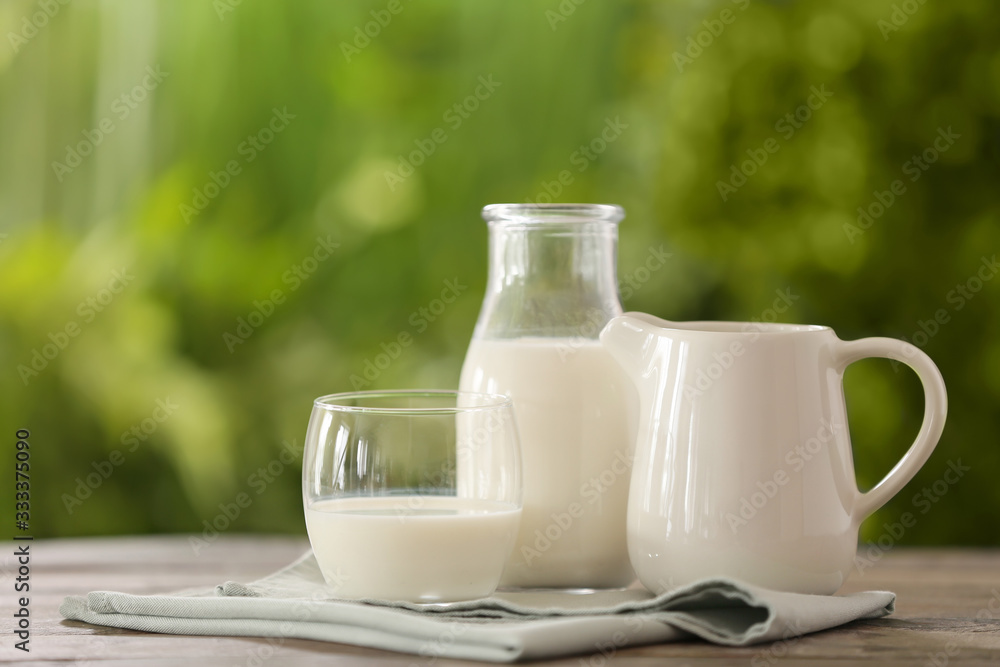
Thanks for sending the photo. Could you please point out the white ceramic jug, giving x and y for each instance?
(743, 463)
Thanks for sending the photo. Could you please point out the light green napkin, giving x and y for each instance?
(296, 602)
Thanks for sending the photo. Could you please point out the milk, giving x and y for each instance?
(418, 548)
(573, 406)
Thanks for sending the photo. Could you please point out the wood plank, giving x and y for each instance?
(948, 607)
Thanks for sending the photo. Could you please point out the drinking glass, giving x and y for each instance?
(412, 495)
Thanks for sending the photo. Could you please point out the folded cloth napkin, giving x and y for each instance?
(296, 602)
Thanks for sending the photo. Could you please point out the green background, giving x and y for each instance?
(691, 90)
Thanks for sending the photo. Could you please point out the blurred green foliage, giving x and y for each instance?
(218, 217)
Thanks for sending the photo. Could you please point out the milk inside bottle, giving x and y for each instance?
(551, 289)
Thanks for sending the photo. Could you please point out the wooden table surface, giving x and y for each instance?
(947, 611)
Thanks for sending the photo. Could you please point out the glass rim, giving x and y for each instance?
(541, 214)
(330, 402)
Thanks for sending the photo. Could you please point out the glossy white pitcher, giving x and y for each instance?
(743, 463)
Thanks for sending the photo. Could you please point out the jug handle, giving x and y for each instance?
(935, 411)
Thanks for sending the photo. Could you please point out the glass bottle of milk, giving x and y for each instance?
(551, 289)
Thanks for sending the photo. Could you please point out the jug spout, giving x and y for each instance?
(630, 339)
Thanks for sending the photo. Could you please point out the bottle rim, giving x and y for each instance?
(527, 214)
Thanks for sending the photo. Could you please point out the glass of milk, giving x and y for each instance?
(389, 515)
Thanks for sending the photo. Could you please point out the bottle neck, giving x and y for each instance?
(550, 279)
